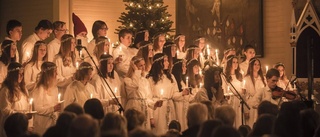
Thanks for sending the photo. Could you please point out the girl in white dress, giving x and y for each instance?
(158, 42)
(66, 62)
(283, 80)
(194, 78)
(137, 93)
(104, 93)
(179, 71)
(146, 52)
(170, 49)
(254, 81)
(101, 47)
(7, 56)
(249, 53)
(234, 77)
(99, 28)
(13, 95)
(80, 90)
(180, 41)
(163, 87)
(33, 67)
(45, 96)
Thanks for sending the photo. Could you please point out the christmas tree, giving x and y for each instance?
(146, 14)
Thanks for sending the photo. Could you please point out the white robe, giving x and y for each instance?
(27, 47)
(31, 72)
(91, 45)
(137, 95)
(122, 67)
(104, 93)
(250, 92)
(244, 67)
(7, 108)
(3, 72)
(44, 102)
(53, 49)
(17, 52)
(181, 55)
(79, 93)
(166, 113)
(65, 73)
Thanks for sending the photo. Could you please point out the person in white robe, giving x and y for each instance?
(180, 41)
(233, 78)
(158, 42)
(99, 28)
(13, 95)
(254, 81)
(283, 79)
(42, 32)
(106, 94)
(66, 62)
(146, 52)
(80, 90)
(8, 55)
(137, 93)
(141, 35)
(46, 98)
(59, 29)
(14, 33)
(33, 67)
(163, 87)
(249, 52)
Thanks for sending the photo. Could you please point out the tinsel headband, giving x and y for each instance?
(279, 64)
(137, 59)
(232, 57)
(191, 61)
(65, 40)
(179, 36)
(192, 48)
(143, 46)
(40, 43)
(198, 39)
(230, 49)
(49, 68)
(181, 61)
(8, 45)
(15, 69)
(85, 67)
(159, 59)
(252, 60)
(142, 31)
(167, 46)
(103, 41)
(157, 36)
(104, 59)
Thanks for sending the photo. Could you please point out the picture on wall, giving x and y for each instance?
(224, 23)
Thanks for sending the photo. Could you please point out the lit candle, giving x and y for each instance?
(244, 83)
(115, 90)
(187, 79)
(30, 104)
(228, 91)
(267, 69)
(177, 52)
(217, 57)
(91, 95)
(105, 53)
(77, 65)
(200, 85)
(208, 51)
(80, 53)
(59, 97)
(200, 72)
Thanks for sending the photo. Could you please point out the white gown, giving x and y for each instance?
(31, 72)
(44, 101)
(7, 108)
(3, 72)
(104, 93)
(53, 49)
(65, 74)
(137, 95)
(122, 67)
(244, 67)
(250, 92)
(79, 93)
(166, 113)
(27, 47)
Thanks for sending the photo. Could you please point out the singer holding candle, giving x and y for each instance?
(160, 77)
(254, 81)
(45, 98)
(13, 94)
(80, 89)
(180, 41)
(249, 52)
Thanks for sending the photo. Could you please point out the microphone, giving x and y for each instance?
(79, 46)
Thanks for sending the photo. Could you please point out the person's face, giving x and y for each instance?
(20, 77)
(195, 69)
(44, 34)
(201, 43)
(182, 41)
(89, 75)
(13, 50)
(146, 36)
(73, 44)
(173, 51)
(110, 65)
(184, 67)
(126, 40)
(196, 53)
(42, 51)
(102, 31)
(272, 82)
(141, 65)
(216, 77)
(281, 70)
(82, 34)
(256, 66)
(60, 31)
(106, 47)
(16, 33)
(161, 41)
(235, 63)
(165, 63)
(250, 53)
(150, 51)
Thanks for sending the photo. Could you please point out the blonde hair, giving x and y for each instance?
(135, 60)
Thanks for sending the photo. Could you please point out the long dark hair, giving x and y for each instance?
(177, 72)
(46, 74)
(228, 69)
(103, 66)
(138, 38)
(250, 71)
(190, 51)
(144, 53)
(6, 49)
(194, 79)
(11, 82)
(96, 26)
(34, 58)
(177, 39)
(167, 50)
(157, 69)
(209, 80)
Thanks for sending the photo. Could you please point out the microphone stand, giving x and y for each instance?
(242, 101)
(105, 81)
